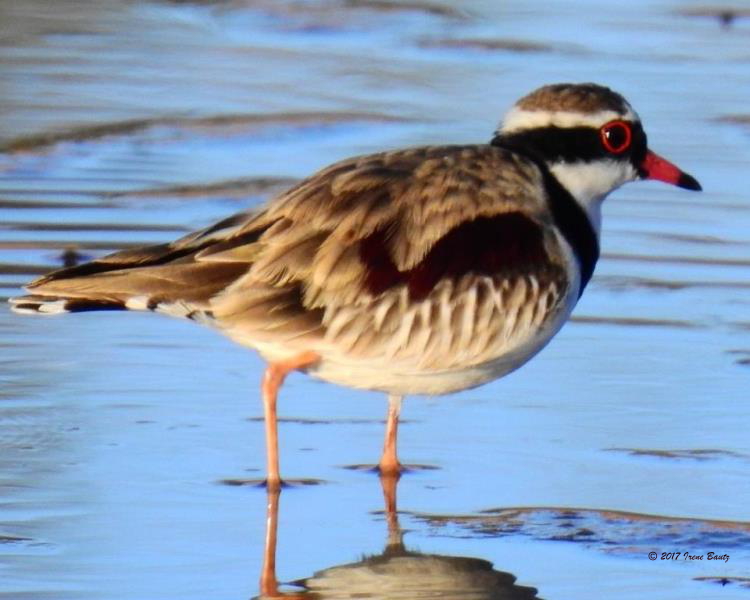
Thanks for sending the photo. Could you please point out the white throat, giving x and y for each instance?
(590, 182)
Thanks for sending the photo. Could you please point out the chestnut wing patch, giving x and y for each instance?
(510, 244)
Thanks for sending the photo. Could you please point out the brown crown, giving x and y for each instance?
(574, 97)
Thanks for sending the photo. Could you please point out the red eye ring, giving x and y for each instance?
(616, 136)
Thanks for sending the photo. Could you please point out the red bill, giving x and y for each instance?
(656, 167)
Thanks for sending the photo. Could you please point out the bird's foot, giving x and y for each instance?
(274, 485)
(390, 469)
(271, 486)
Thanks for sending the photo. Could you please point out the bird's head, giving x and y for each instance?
(591, 140)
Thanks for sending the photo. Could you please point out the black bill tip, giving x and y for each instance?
(689, 182)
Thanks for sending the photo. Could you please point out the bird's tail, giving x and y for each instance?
(178, 285)
(179, 279)
(51, 305)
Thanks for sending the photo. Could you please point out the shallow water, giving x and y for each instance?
(123, 437)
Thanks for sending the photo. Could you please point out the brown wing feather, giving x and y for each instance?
(420, 194)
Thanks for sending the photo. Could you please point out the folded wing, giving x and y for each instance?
(347, 257)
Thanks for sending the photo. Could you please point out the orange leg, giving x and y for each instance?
(389, 465)
(272, 380)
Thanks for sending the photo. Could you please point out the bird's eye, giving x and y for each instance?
(616, 136)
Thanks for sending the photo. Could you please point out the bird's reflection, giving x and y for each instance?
(395, 574)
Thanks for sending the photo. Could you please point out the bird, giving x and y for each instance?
(424, 270)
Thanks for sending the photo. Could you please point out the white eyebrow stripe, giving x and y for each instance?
(519, 119)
